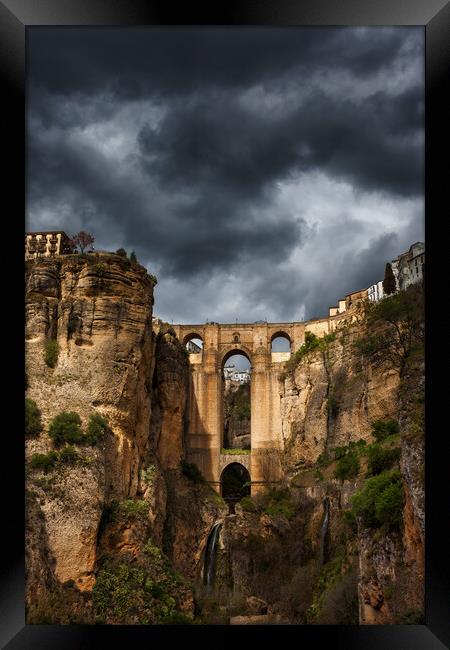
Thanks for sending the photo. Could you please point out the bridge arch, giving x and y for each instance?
(232, 350)
(277, 338)
(234, 482)
(192, 335)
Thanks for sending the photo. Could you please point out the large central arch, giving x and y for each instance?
(204, 417)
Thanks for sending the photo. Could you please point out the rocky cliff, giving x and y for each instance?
(93, 351)
(118, 522)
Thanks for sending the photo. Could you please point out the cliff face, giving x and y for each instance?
(330, 399)
(113, 361)
(329, 402)
(99, 312)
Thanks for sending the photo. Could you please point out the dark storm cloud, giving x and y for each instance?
(222, 143)
(181, 144)
(159, 61)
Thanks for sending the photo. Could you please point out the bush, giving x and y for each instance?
(96, 428)
(380, 459)
(248, 504)
(44, 461)
(380, 502)
(132, 508)
(51, 353)
(33, 423)
(68, 456)
(278, 502)
(133, 258)
(122, 252)
(347, 467)
(65, 427)
(413, 617)
(192, 472)
(382, 429)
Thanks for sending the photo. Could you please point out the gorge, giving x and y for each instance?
(128, 518)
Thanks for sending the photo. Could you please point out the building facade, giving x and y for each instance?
(375, 292)
(411, 266)
(47, 244)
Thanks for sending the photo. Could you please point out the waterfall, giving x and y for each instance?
(324, 530)
(210, 556)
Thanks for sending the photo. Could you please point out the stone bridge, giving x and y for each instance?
(205, 402)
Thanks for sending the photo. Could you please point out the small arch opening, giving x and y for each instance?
(280, 342)
(236, 402)
(234, 484)
(193, 343)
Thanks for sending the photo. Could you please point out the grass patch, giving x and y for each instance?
(234, 452)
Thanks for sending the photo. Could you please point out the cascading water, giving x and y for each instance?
(324, 530)
(209, 566)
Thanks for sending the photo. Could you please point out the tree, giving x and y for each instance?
(133, 258)
(82, 240)
(122, 252)
(394, 328)
(389, 284)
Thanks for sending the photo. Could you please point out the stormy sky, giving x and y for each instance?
(257, 172)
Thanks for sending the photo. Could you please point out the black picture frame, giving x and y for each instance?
(434, 16)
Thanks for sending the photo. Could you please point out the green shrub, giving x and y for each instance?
(278, 502)
(382, 429)
(51, 352)
(380, 459)
(380, 502)
(177, 618)
(33, 423)
(66, 427)
(68, 456)
(192, 472)
(248, 504)
(96, 428)
(350, 519)
(347, 467)
(133, 508)
(44, 461)
(324, 459)
(413, 617)
(122, 252)
(133, 258)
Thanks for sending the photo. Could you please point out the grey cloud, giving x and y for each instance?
(197, 197)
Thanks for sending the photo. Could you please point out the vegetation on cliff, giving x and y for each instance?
(33, 422)
(145, 591)
(393, 328)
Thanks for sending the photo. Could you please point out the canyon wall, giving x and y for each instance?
(108, 498)
(118, 523)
